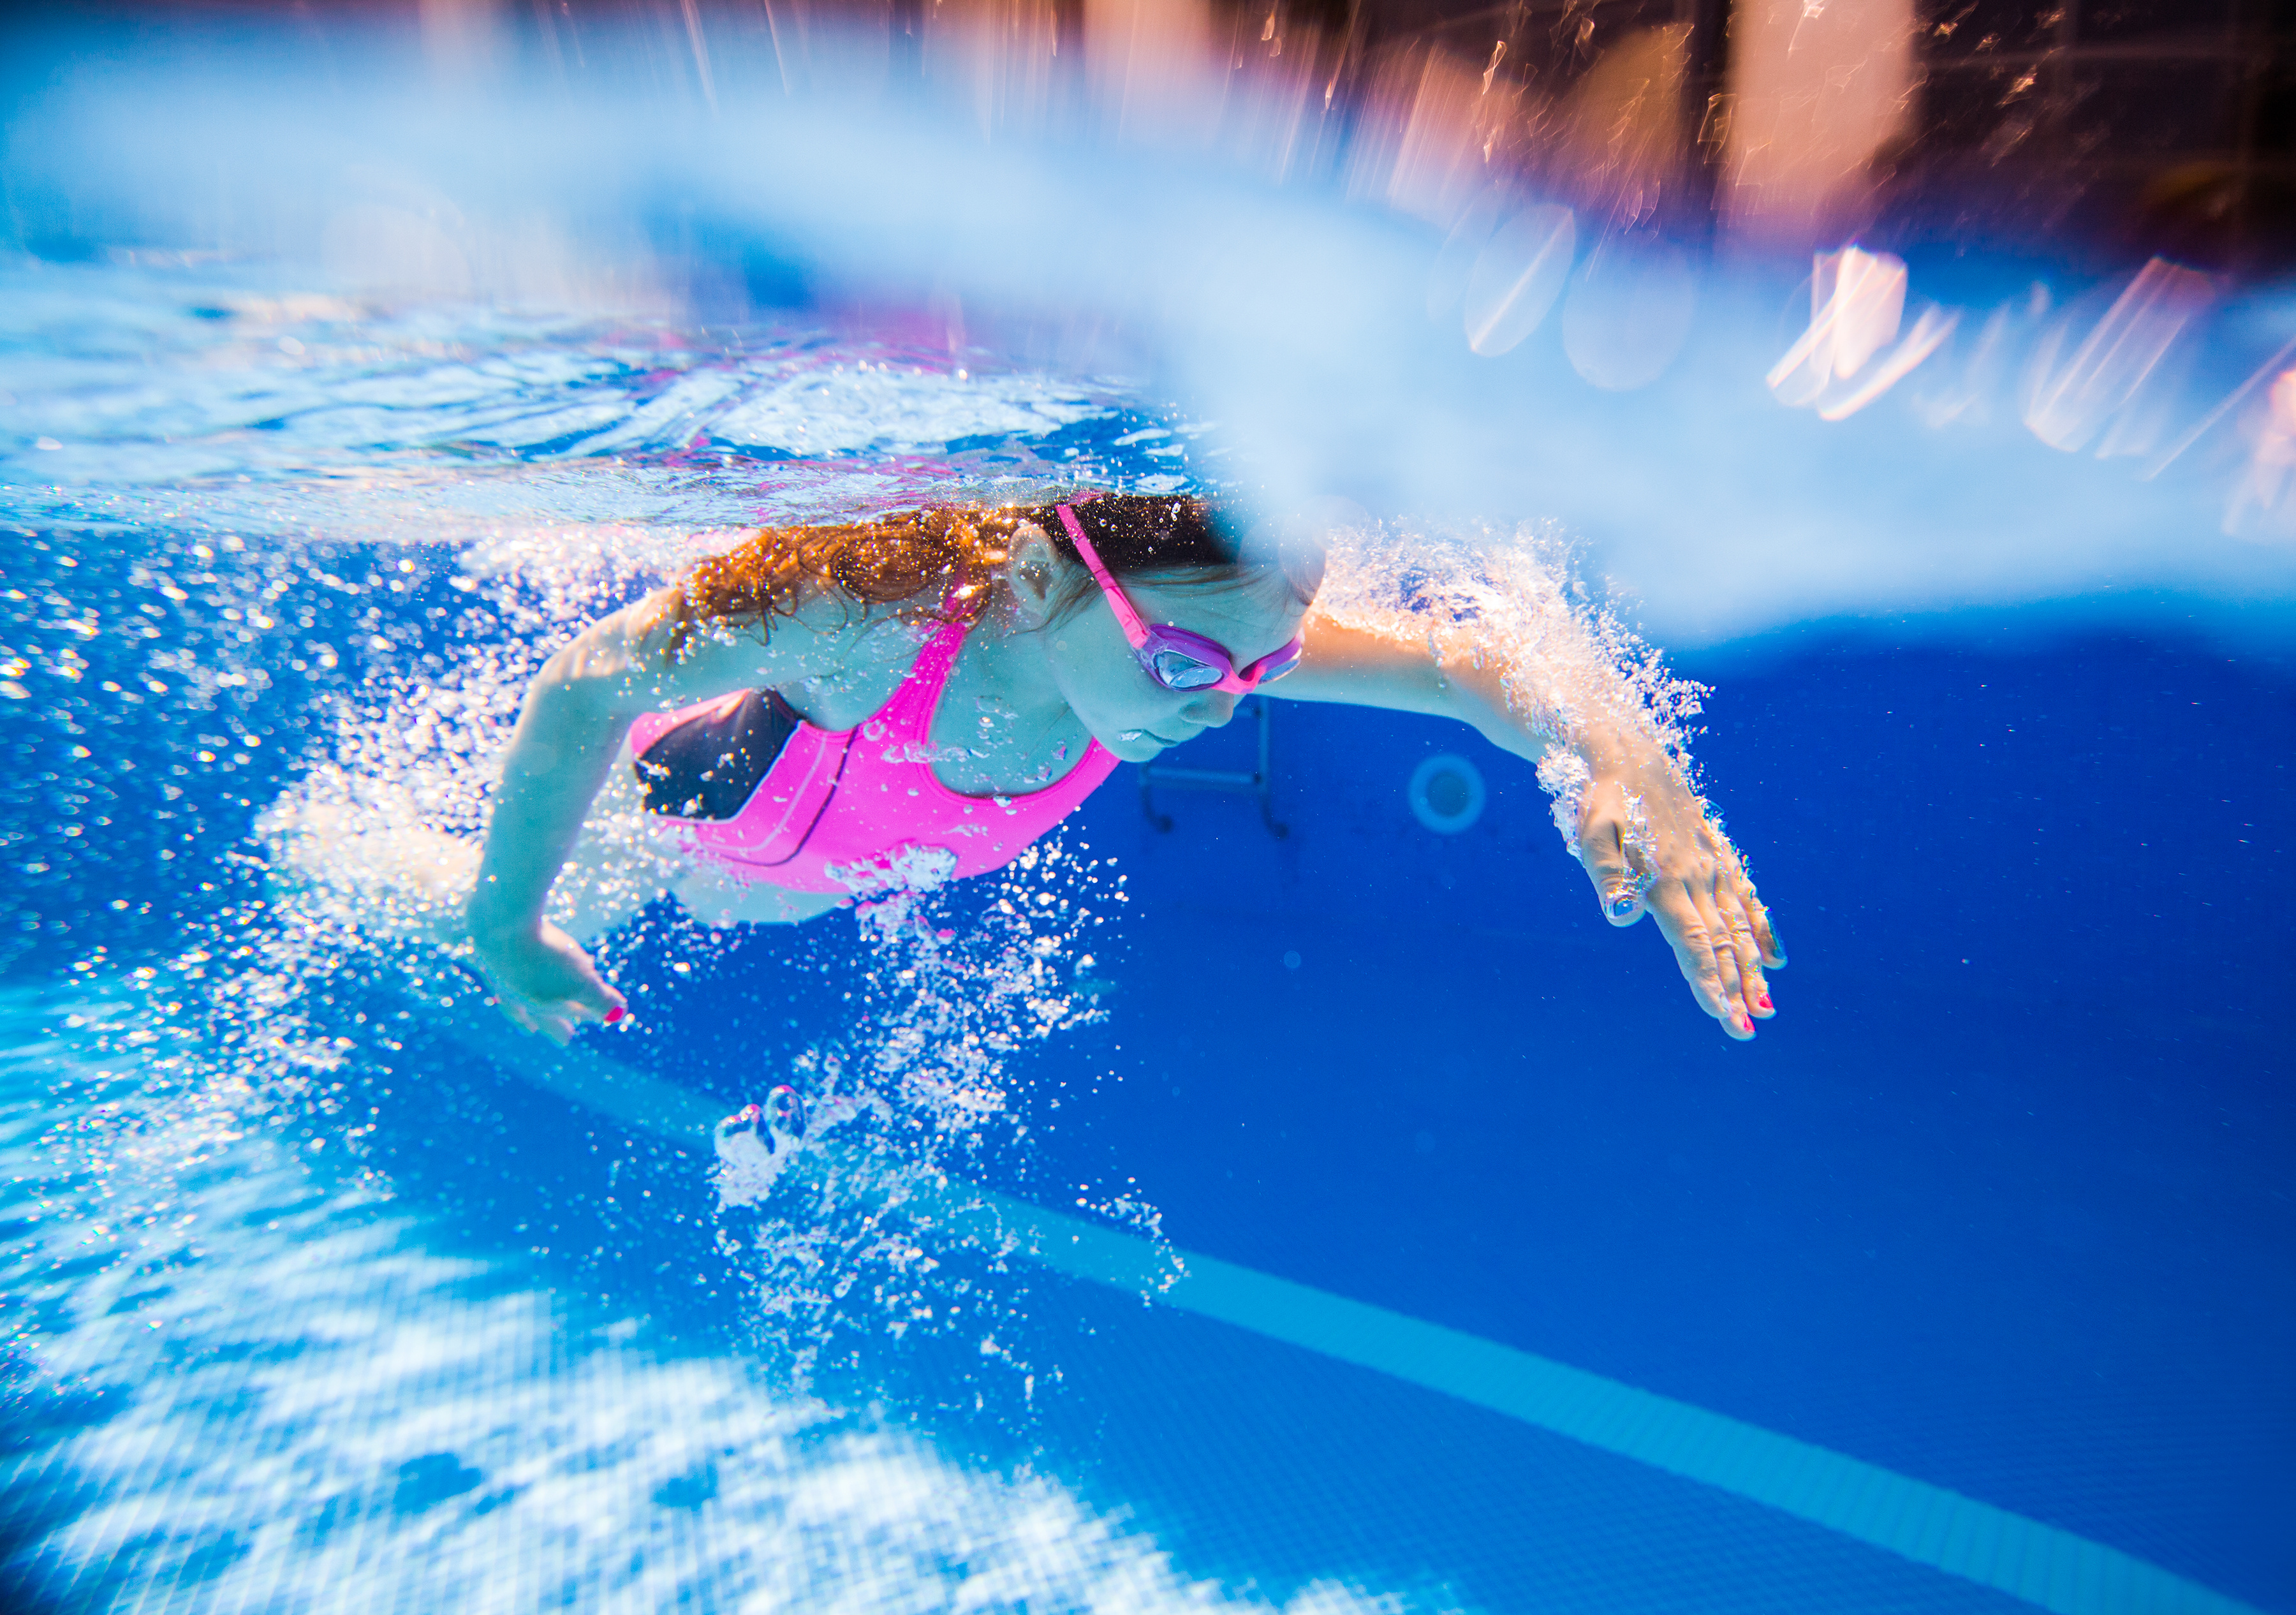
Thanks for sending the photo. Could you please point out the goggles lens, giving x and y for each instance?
(1178, 670)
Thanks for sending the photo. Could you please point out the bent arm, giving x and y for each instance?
(579, 709)
(576, 713)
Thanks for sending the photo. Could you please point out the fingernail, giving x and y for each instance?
(1745, 1022)
(1764, 1002)
(1621, 907)
(615, 1013)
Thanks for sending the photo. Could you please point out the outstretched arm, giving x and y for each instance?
(1642, 834)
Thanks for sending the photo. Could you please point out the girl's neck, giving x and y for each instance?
(1002, 661)
(1003, 709)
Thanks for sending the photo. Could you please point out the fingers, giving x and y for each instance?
(1738, 924)
(1704, 954)
(1679, 924)
(603, 1012)
(1737, 883)
(1773, 952)
(520, 1016)
(594, 999)
(561, 1020)
(1603, 853)
(1729, 964)
(1747, 922)
(1664, 853)
(1709, 927)
(552, 986)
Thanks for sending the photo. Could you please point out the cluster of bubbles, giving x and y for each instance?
(925, 1086)
(263, 677)
(912, 1077)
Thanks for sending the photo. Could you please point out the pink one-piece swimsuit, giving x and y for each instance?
(860, 810)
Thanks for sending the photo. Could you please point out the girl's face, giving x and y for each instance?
(1129, 713)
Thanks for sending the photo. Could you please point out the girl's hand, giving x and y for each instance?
(545, 981)
(1647, 845)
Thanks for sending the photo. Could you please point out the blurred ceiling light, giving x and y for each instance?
(1517, 277)
(2259, 506)
(1147, 62)
(1628, 312)
(1619, 142)
(2107, 380)
(1426, 133)
(1815, 91)
(998, 60)
(1858, 301)
(461, 40)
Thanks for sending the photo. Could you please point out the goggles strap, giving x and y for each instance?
(1129, 619)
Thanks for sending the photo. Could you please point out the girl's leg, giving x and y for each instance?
(360, 854)
(717, 897)
(363, 850)
(623, 863)
(360, 850)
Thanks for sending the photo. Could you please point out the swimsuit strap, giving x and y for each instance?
(908, 715)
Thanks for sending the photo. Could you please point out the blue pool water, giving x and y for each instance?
(1342, 1220)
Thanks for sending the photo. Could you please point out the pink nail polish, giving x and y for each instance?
(615, 1013)
(1764, 1002)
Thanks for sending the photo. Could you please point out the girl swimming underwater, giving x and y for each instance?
(865, 710)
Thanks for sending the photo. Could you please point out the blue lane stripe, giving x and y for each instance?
(1929, 1525)
(2040, 1564)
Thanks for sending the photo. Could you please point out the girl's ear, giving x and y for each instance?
(1032, 568)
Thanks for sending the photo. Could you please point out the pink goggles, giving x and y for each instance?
(1173, 657)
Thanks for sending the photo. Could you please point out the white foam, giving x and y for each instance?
(844, 410)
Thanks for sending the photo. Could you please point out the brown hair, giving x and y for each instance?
(955, 549)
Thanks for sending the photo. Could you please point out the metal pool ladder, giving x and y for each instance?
(1259, 781)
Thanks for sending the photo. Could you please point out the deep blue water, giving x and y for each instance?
(1998, 1202)
(2001, 1199)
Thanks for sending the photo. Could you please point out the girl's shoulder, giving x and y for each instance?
(821, 634)
(859, 633)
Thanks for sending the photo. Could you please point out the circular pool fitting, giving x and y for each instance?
(1446, 793)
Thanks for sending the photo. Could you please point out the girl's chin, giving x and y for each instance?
(1136, 745)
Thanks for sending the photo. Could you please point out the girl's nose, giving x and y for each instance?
(1210, 708)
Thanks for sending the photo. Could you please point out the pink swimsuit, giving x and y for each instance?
(860, 810)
